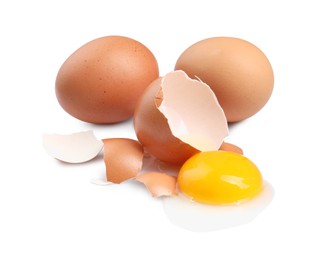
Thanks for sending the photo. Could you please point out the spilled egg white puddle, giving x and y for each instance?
(197, 217)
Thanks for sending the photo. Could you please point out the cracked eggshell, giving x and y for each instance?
(178, 117)
(153, 131)
(159, 184)
(123, 159)
(72, 148)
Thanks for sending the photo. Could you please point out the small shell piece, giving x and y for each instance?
(231, 148)
(123, 159)
(159, 184)
(72, 148)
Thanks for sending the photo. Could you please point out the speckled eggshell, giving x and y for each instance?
(237, 71)
(102, 81)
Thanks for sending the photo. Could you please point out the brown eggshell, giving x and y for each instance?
(231, 148)
(102, 81)
(177, 117)
(153, 131)
(237, 71)
(123, 159)
(159, 184)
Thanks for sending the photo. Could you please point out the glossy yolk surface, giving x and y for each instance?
(220, 177)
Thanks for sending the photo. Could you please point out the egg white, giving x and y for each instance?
(197, 217)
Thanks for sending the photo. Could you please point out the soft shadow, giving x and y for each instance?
(96, 159)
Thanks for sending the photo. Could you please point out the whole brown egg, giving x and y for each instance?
(102, 81)
(237, 71)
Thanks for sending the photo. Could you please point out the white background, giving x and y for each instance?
(50, 210)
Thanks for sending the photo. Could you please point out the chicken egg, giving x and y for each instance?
(102, 81)
(237, 71)
(218, 189)
(220, 177)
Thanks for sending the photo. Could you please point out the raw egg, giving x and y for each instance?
(102, 81)
(220, 177)
(218, 190)
(237, 71)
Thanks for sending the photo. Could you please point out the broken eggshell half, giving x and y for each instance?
(177, 117)
(72, 148)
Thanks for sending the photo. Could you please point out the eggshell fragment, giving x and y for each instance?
(177, 117)
(159, 184)
(72, 148)
(231, 148)
(193, 112)
(123, 159)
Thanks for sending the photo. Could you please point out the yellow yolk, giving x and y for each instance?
(220, 177)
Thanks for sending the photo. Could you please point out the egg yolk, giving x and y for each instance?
(220, 177)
